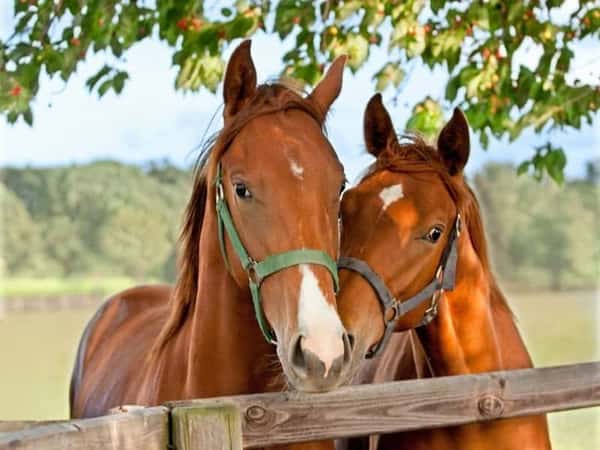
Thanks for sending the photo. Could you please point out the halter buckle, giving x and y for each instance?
(432, 311)
(252, 273)
(439, 275)
(458, 225)
(395, 313)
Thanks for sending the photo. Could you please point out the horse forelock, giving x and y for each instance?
(275, 96)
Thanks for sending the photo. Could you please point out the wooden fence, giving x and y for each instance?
(251, 421)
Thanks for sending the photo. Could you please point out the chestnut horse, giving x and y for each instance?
(414, 258)
(259, 245)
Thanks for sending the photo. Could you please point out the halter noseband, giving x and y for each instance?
(259, 270)
(444, 280)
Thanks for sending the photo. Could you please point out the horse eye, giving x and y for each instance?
(434, 234)
(241, 190)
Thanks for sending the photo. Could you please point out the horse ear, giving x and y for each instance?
(453, 143)
(378, 127)
(240, 80)
(330, 86)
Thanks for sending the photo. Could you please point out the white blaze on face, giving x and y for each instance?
(318, 322)
(297, 169)
(391, 194)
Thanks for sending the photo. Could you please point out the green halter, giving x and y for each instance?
(259, 270)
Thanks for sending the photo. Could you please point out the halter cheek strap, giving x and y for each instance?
(444, 280)
(257, 271)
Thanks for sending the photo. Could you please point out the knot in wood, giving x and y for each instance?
(490, 406)
(256, 414)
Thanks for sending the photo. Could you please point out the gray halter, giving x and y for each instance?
(444, 280)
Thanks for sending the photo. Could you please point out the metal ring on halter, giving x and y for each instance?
(395, 315)
(253, 273)
(432, 311)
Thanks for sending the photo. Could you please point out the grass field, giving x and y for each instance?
(37, 352)
(562, 329)
(49, 287)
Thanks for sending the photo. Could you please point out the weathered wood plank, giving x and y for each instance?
(207, 428)
(269, 419)
(18, 425)
(140, 429)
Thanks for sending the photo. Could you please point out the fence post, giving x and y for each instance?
(207, 427)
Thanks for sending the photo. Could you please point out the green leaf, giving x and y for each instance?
(484, 139)
(452, 88)
(116, 47)
(452, 58)
(74, 6)
(515, 11)
(436, 5)
(523, 167)
(427, 118)
(23, 21)
(556, 174)
(54, 61)
(28, 116)
(21, 50)
(347, 9)
(310, 73)
(239, 27)
(291, 13)
(555, 162)
(389, 74)
(119, 81)
(93, 80)
(356, 47)
(104, 87)
(564, 60)
(12, 116)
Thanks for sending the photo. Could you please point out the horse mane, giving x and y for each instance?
(411, 154)
(275, 96)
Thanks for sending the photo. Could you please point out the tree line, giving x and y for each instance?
(112, 219)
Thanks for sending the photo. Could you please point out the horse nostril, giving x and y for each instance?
(348, 346)
(351, 340)
(298, 359)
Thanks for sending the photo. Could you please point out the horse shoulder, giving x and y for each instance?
(123, 310)
(120, 332)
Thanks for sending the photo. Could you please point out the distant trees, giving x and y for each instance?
(103, 218)
(20, 236)
(136, 239)
(540, 235)
(107, 218)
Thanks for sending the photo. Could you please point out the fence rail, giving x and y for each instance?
(251, 421)
(146, 428)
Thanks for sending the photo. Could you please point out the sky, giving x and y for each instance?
(151, 121)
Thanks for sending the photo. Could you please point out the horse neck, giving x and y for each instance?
(227, 353)
(474, 330)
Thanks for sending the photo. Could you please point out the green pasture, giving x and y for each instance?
(37, 352)
(562, 328)
(48, 287)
